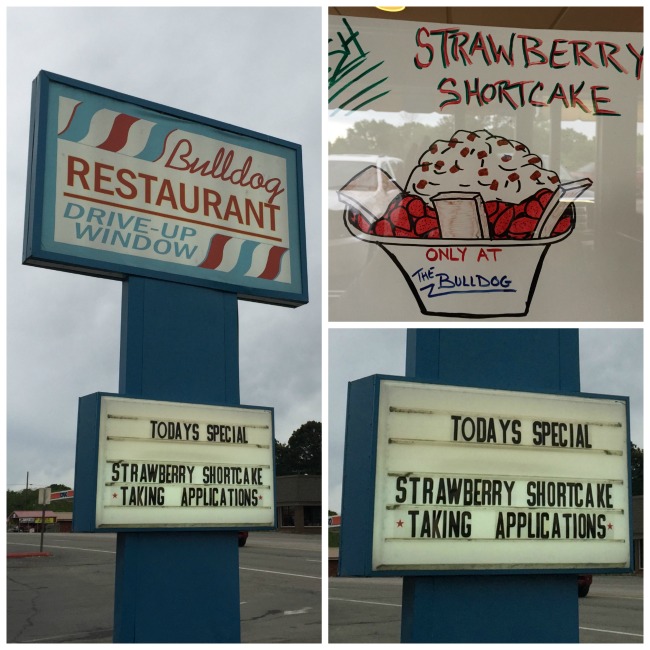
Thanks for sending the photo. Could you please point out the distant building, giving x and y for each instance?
(637, 532)
(298, 500)
(63, 522)
(30, 520)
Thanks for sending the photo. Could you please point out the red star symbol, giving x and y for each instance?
(610, 526)
(260, 497)
(400, 523)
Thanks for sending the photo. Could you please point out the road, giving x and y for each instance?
(68, 597)
(368, 610)
(280, 588)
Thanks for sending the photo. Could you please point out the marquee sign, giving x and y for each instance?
(121, 186)
(489, 480)
(175, 465)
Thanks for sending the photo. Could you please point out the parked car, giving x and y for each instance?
(584, 582)
(243, 536)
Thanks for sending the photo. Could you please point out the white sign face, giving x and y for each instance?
(165, 464)
(472, 479)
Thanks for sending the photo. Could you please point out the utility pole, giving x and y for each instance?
(43, 498)
(42, 527)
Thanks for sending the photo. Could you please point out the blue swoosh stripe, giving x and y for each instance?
(156, 143)
(245, 258)
(80, 124)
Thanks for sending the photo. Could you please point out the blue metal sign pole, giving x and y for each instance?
(537, 608)
(179, 343)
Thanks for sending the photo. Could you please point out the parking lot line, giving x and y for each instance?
(593, 629)
(73, 548)
(367, 602)
(280, 573)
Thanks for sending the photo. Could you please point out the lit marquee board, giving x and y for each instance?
(474, 479)
(166, 464)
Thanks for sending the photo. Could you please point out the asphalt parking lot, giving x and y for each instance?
(68, 597)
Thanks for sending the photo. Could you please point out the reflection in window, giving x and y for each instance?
(313, 516)
(288, 516)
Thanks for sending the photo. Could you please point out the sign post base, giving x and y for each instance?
(490, 609)
(177, 588)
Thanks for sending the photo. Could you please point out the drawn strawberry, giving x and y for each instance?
(382, 227)
(400, 218)
(425, 225)
(407, 216)
(359, 221)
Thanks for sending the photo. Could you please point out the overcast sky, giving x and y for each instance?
(611, 363)
(255, 68)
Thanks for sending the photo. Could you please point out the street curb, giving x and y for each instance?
(33, 554)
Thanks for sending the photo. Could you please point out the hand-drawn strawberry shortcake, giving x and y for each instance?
(475, 185)
(470, 228)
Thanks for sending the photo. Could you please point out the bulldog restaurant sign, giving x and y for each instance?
(122, 186)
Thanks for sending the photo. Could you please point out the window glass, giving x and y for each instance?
(503, 172)
(313, 516)
(288, 516)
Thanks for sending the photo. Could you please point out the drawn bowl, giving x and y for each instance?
(469, 278)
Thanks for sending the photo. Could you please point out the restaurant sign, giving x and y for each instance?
(173, 465)
(121, 186)
(491, 480)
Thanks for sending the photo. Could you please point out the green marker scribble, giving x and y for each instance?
(347, 85)
(362, 92)
(349, 58)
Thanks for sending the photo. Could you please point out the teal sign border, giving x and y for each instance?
(40, 248)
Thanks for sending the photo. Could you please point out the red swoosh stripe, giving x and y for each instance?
(65, 128)
(119, 134)
(273, 263)
(215, 252)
